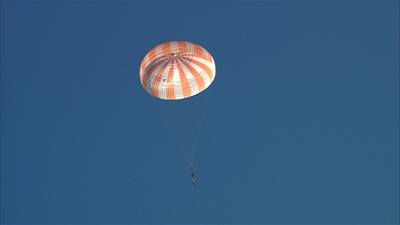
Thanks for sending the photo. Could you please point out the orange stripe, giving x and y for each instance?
(160, 53)
(157, 79)
(149, 55)
(182, 47)
(196, 75)
(152, 56)
(184, 81)
(201, 51)
(205, 68)
(169, 48)
(146, 68)
(188, 56)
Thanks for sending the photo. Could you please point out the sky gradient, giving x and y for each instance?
(299, 125)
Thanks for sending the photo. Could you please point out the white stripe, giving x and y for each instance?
(174, 47)
(190, 48)
(162, 88)
(194, 88)
(177, 85)
(175, 76)
(153, 75)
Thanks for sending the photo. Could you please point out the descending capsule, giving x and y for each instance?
(177, 70)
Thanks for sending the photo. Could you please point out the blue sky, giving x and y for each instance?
(298, 126)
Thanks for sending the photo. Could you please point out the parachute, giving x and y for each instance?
(179, 70)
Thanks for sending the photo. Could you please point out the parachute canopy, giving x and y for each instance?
(177, 70)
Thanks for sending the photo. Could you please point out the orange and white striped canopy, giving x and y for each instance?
(176, 70)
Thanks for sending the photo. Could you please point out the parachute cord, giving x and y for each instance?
(190, 154)
(200, 131)
(173, 140)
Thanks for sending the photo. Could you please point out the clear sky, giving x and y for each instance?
(299, 124)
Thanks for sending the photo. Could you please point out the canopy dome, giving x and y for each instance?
(177, 70)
